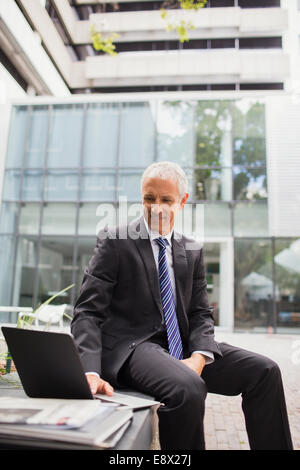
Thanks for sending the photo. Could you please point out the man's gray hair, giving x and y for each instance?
(165, 171)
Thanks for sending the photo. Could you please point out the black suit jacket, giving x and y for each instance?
(119, 304)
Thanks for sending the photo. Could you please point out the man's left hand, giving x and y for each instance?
(196, 362)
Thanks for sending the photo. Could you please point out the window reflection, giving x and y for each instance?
(137, 134)
(9, 217)
(61, 185)
(212, 184)
(253, 284)
(37, 137)
(130, 185)
(213, 129)
(98, 185)
(30, 218)
(287, 275)
(249, 133)
(250, 184)
(17, 136)
(250, 219)
(26, 271)
(11, 185)
(101, 135)
(32, 185)
(7, 256)
(59, 219)
(175, 136)
(65, 136)
(55, 269)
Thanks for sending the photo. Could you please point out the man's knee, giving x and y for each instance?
(189, 391)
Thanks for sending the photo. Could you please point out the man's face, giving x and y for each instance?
(161, 203)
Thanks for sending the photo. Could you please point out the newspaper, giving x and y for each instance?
(31, 420)
(51, 412)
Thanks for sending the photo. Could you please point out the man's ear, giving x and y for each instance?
(183, 200)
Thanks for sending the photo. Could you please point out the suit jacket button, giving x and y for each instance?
(132, 346)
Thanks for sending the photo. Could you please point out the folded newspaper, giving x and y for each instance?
(47, 422)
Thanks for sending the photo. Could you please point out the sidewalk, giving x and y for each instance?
(224, 419)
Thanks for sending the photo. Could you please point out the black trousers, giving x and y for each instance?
(151, 370)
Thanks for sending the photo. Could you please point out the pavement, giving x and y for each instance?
(224, 423)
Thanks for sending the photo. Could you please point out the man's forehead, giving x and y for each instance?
(159, 184)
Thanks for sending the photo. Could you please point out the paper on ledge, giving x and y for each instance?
(51, 412)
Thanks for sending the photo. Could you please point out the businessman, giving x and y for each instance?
(142, 320)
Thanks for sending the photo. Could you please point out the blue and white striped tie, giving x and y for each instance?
(168, 303)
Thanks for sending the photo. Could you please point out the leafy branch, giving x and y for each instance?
(182, 27)
(104, 44)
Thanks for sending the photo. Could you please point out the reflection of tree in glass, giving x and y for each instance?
(249, 135)
(211, 118)
(175, 132)
(250, 184)
(250, 256)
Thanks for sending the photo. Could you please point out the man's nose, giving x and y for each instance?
(156, 209)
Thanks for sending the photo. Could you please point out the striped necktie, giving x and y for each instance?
(168, 303)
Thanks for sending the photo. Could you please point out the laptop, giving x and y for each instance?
(48, 363)
(49, 366)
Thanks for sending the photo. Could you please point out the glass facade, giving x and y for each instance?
(68, 164)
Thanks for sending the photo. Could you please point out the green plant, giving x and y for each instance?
(104, 44)
(182, 26)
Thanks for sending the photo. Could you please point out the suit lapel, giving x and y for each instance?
(180, 271)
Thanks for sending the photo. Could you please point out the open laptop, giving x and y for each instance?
(48, 363)
(49, 366)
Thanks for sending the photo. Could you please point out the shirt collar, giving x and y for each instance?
(154, 234)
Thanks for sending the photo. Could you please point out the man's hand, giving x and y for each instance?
(196, 362)
(98, 385)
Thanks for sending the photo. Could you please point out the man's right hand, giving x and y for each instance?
(98, 385)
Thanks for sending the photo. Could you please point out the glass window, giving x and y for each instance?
(249, 133)
(55, 269)
(93, 217)
(251, 219)
(86, 247)
(213, 184)
(137, 134)
(213, 127)
(17, 135)
(101, 135)
(98, 185)
(59, 219)
(130, 185)
(26, 271)
(37, 137)
(175, 138)
(61, 185)
(253, 284)
(210, 220)
(32, 185)
(11, 185)
(65, 136)
(30, 218)
(8, 217)
(250, 184)
(7, 256)
(217, 220)
(287, 275)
